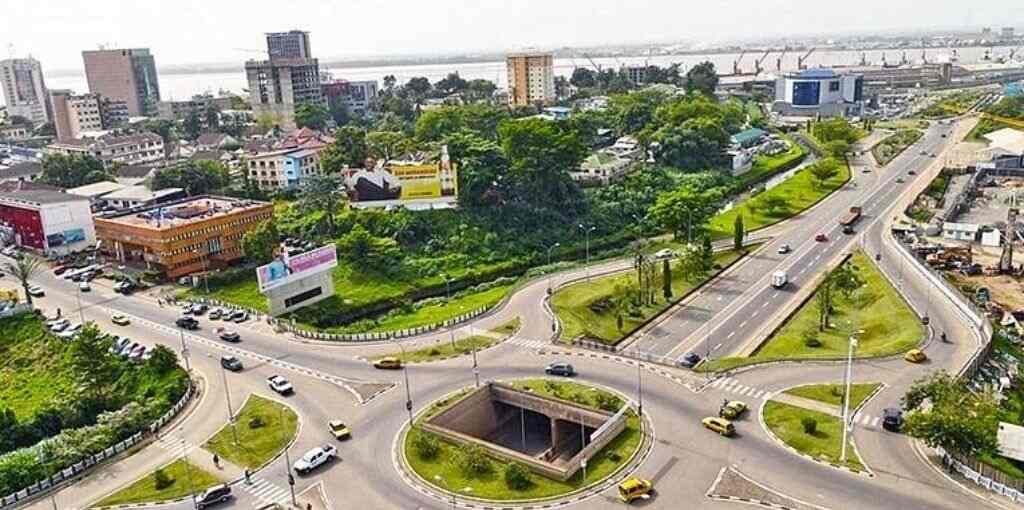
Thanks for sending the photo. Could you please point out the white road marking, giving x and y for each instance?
(874, 422)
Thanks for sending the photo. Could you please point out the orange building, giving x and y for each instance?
(181, 237)
(531, 78)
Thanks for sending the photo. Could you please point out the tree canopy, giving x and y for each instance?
(195, 177)
(72, 171)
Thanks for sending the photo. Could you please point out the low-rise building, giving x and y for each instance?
(140, 195)
(50, 222)
(184, 236)
(108, 149)
(356, 96)
(199, 105)
(28, 171)
(80, 115)
(284, 163)
(16, 132)
(819, 92)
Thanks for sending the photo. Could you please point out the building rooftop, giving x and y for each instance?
(21, 170)
(748, 135)
(180, 212)
(111, 140)
(38, 197)
(96, 189)
(140, 193)
(1009, 139)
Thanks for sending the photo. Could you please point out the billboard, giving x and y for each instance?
(405, 184)
(75, 235)
(287, 269)
(1011, 441)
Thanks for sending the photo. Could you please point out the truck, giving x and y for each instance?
(850, 219)
(779, 279)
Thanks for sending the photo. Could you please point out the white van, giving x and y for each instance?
(779, 279)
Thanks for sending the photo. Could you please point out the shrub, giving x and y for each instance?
(809, 424)
(474, 462)
(614, 456)
(607, 402)
(426, 446)
(160, 480)
(517, 477)
(435, 351)
(257, 422)
(812, 342)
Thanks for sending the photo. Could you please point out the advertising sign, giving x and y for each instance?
(286, 269)
(1011, 441)
(404, 184)
(72, 236)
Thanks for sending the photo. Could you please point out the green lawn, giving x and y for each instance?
(439, 310)
(887, 150)
(444, 349)
(824, 444)
(182, 484)
(579, 306)
(492, 485)
(767, 166)
(833, 393)
(889, 326)
(799, 192)
(258, 443)
(33, 369)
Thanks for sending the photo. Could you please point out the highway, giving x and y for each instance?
(334, 381)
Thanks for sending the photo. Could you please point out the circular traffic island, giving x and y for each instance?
(523, 441)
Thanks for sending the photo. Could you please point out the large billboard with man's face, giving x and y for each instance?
(286, 269)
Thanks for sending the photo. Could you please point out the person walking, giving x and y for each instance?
(216, 460)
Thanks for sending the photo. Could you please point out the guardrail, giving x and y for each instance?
(75, 471)
(379, 336)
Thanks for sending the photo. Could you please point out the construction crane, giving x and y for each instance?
(800, 60)
(778, 61)
(592, 63)
(758, 62)
(1006, 260)
(736, 63)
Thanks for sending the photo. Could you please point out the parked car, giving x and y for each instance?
(214, 314)
(388, 362)
(120, 320)
(915, 356)
(187, 322)
(70, 331)
(720, 425)
(199, 309)
(690, 360)
(128, 349)
(632, 489)
(315, 458)
(280, 385)
(58, 325)
(560, 368)
(118, 344)
(10, 251)
(213, 495)
(899, 180)
(664, 254)
(231, 363)
(36, 291)
(239, 317)
(124, 287)
(821, 238)
(892, 419)
(84, 286)
(137, 353)
(339, 429)
(229, 336)
(732, 410)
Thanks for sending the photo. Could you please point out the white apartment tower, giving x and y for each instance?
(24, 90)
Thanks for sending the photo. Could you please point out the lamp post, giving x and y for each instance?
(206, 269)
(549, 248)
(587, 230)
(231, 412)
(476, 370)
(846, 394)
(287, 459)
(184, 349)
(408, 391)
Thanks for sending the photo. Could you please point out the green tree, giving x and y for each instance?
(685, 209)
(583, 78)
(211, 117)
(322, 194)
(192, 125)
(451, 84)
(696, 144)
(480, 90)
(163, 360)
(702, 78)
(66, 171)
(631, 113)
(386, 145)
(349, 150)
(312, 115)
(517, 476)
(258, 244)
(707, 255)
(837, 148)
(841, 281)
(195, 177)
(481, 165)
(92, 364)
(824, 170)
(24, 270)
(956, 419)
(540, 157)
(738, 233)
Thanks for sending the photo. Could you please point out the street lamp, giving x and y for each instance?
(587, 230)
(184, 349)
(405, 372)
(846, 394)
(287, 459)
(188, 472)
(549, 248)
(227, 396)
(206, 269)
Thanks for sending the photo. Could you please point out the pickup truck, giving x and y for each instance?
(280, 385)
(851, 217)
(315, 458)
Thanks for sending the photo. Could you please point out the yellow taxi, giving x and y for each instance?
(339, 429)
(389, 362)
(732, 410)
(632, 489)
(720, 425)
(915, 356)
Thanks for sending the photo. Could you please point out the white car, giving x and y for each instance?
(315, 458)
(120, 320)
(664, 254)
(58, 325)
(70, 332)
(84, 287)
(280, 385)
(35, 291)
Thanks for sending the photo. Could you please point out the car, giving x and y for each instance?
(187, 322)
(137, 353)
(821, 238)
(784, 249)
(198, 309)
(387, 362)
(127, 349)
(239, 317)
(911, 172)
(124, 287)
(943, 135)
(120, 320)
(633, 488)
(216, 494)
(664, 254)
(720, 425)
(229, 336)
(892, 419)
(118, 344)
(315, 458)
(915, 356)
(731, 410)
(231, 363)
(36, 291)
(280, 385)
(10, 251)
(899, 180)
(689, 360)
(59, 325)
(84, 287)
(214, 314)
(934, 155)
(70, 331)
(339, 429)
(924, 153)
(560, 368)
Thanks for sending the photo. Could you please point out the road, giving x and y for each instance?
(333, 381)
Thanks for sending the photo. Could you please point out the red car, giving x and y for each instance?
(821, 238)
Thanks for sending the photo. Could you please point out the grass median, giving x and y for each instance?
(264, 427)
(173, 481)
(823, 441)
(444, 349)
(888, 326)
(833, 393)
(584, 308)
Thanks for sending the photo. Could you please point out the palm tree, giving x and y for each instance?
(24, 269)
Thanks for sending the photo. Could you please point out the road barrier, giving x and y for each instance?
(70, 473)
(290, 327)
(984, 475)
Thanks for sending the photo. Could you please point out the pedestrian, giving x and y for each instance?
(309, 506)
(247, 480)
(216, 460)
(58, 312)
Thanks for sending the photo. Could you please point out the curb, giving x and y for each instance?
(751, 501)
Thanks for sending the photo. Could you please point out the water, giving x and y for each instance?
(183, 86)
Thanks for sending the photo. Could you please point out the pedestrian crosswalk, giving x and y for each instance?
(732, 385)
(266, 493)
(175, 445)
(527, 343)
(867, 421)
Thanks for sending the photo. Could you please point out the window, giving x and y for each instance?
(833, 86)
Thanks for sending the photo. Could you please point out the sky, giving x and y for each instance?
(204, 31)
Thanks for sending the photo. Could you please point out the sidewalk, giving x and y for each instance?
(806, 403)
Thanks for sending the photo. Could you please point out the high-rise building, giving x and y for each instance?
(1007, 33)
(24, 89)
(290, 77)
(127, 75)
(75, 116)
(531, 78)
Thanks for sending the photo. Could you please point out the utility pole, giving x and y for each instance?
(188, 473)
(553, 246)
(227, 396)
(476, 370)
(408, 392)
(184, 350)
(846, 395)
(287, 460)
(587, 230)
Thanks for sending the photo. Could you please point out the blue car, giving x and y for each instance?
(689, 360)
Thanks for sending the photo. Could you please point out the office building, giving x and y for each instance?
(1007, 33)
(819, 92)
(356, 96)
(108, 149)
(127, 75)
(531, 79)
(51, 222)
(199, 104)
(24, 89)
(78, 116)
(290, 77)
(183, 236)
